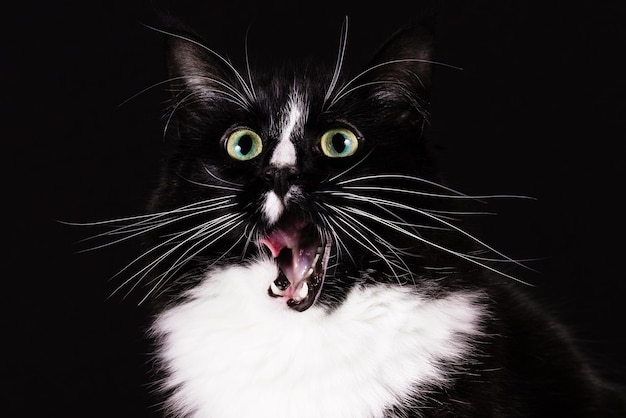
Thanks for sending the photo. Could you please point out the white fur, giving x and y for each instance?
(234, 352)
(292, 122)
(273, 207)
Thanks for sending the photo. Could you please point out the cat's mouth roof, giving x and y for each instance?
(302, 256)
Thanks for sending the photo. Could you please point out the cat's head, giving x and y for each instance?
(325, 172)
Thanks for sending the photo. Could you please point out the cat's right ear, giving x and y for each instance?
(194, 67)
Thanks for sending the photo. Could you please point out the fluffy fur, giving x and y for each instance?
(303, 260)
(230, 353)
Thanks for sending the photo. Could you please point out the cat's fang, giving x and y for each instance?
(303, 292)
(274, 291)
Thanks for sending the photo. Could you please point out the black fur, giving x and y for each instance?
(524, 366)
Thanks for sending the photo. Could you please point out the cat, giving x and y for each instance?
(302, 258)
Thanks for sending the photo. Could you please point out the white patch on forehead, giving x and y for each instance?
(292, 122)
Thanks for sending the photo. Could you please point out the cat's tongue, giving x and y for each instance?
(302, 258)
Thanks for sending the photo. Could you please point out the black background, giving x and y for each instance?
(537, 110)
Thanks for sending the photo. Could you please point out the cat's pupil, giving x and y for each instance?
(339, 143)
(244, 145)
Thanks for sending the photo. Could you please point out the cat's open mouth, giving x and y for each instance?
(302, 257)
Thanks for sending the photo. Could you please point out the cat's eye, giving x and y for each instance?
(244, 144)
(339, 142)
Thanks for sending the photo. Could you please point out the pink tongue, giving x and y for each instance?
(303, 254)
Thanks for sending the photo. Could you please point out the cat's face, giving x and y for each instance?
(318, 171)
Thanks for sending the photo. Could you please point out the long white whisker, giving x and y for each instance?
(394, 250)
(224, 225)
(390, 62)
(400, 220)
(219, 178)
(150, 266)
(228, 226)
(173, 112)
(233, 95)
(467, 257)
(161, 280)
(152, 226)
(249, 238)
(241, 100)
(150, 216)
(211, 186)
(370, 246)
(248, 64)
(343, 40)
(338, 240)
(150, 87)
(425, 181)
(391, 203)
(352, 167)
(357, 87)
(427, 194)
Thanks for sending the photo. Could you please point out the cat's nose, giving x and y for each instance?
(280, 179)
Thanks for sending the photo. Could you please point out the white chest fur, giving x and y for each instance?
(233, 352)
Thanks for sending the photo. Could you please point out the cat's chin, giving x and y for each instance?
(302, 254)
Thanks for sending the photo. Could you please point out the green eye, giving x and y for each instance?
(244, 144)
(338, 143)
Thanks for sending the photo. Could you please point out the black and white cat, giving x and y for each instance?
(303, 260)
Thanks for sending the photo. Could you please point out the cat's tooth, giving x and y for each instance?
(275, 290)
(303, 292)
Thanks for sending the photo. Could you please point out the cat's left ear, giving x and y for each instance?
(400, 73)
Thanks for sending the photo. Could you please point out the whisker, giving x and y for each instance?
(221, 179)
(464, 256)
(394, 250)
(248, 63)
(357, 87)
(184, 258)
(402, 221)
(148, 215)
(150, 87)
(249, 240)
(195, 231)
(235, 94)
(398, 205)
(337, 239)
(352, 167)
(371, 246)
(429, 182)
(427, 194)
(341, 91)
(173, 110)
(231, 94)
(152, 225)
(211, 186)
(343, 40)
(224, 225)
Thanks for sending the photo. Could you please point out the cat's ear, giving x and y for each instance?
(408, 54)
(400, 73)
(198, 69)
